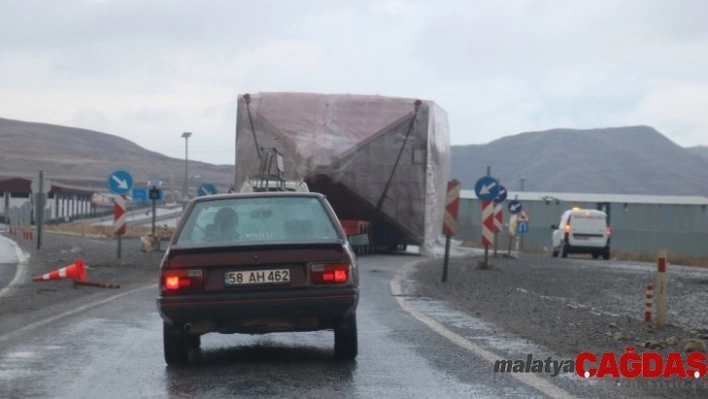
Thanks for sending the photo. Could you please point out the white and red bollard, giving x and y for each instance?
(661, 290)
(648, 299)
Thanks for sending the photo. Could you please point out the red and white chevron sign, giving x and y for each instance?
(452, 204)
(119, 215)
(498, 218)
(487, 222)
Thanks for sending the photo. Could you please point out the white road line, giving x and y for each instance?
(48, 320)
(22, 258)
(529, 379)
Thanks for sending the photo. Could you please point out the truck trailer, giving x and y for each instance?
(383, 162)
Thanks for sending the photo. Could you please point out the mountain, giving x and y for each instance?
(701, 150)
(86, 158)
(623, 160)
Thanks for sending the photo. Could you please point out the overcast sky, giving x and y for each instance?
(148, 70)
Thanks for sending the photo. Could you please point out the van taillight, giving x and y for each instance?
(181, 279)
(329, 273)
(608, 230)
(567, 228)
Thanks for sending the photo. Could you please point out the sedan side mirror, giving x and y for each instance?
(554, 226)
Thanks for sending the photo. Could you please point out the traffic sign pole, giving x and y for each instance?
(40, 209)
(452, 205)
(119, 219)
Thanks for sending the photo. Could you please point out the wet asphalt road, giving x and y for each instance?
(114, 350)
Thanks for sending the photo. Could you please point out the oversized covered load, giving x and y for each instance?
(378, 159)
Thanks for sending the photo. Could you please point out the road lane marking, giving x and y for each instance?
(531, 380)
(22, 258)
(54, 318)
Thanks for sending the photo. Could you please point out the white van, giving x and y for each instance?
(582, 231)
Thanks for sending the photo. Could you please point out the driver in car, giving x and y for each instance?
(224, 226)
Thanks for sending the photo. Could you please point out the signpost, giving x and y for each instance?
(514, 207)
(452, 205)
(119, 219)
(119, 182)
(206, 189)
(498, 215)
(40, 188)
(487, 189)
(498, 223)
(155, 195)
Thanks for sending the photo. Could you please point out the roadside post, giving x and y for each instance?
(512, 231)
(648, 299)
(515, 209)
(40, 188)
(154, 197)
(661, 290)
(119, 182)
(452, 205)
(487, 189)
(498, 216)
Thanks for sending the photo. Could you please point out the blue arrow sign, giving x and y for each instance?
(140, 194)
(514, 207)
(120, 182)
(206, 189)
(522, 227)
(486, 188)
(502, 195)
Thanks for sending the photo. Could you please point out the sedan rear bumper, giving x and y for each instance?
(232, 311)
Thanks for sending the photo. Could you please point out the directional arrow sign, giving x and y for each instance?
(120, 182)
(514, 207)
(206, 189)
(502, 195)
(486, 188)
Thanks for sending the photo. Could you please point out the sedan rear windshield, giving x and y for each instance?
(257, 220)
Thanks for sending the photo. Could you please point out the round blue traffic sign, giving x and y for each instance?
(486, 188)
(120, 182)
(502, 195)
(514, 207)
(206, 189)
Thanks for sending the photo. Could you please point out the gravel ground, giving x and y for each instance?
(567, 305)
(28, 300)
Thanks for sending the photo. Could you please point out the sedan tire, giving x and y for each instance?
(176, 345)
(345, 339)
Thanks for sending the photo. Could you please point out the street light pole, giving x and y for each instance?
(185, 193)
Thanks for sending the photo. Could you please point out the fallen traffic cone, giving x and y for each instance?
(74, 271)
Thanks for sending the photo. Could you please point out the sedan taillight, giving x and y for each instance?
(329, 273)
(182, 279)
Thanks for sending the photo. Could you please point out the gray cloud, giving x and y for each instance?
(150, 70)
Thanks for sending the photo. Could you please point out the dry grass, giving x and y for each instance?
(87, 229)
(675, 259)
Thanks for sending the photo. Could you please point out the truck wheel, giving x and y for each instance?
(176, 345)
(606, 254)
(345, 339)
(554, 253)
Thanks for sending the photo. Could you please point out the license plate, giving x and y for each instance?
(246, 277)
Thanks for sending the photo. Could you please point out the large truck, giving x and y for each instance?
(382, 162)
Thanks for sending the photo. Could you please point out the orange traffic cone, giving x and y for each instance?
(74, 271)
